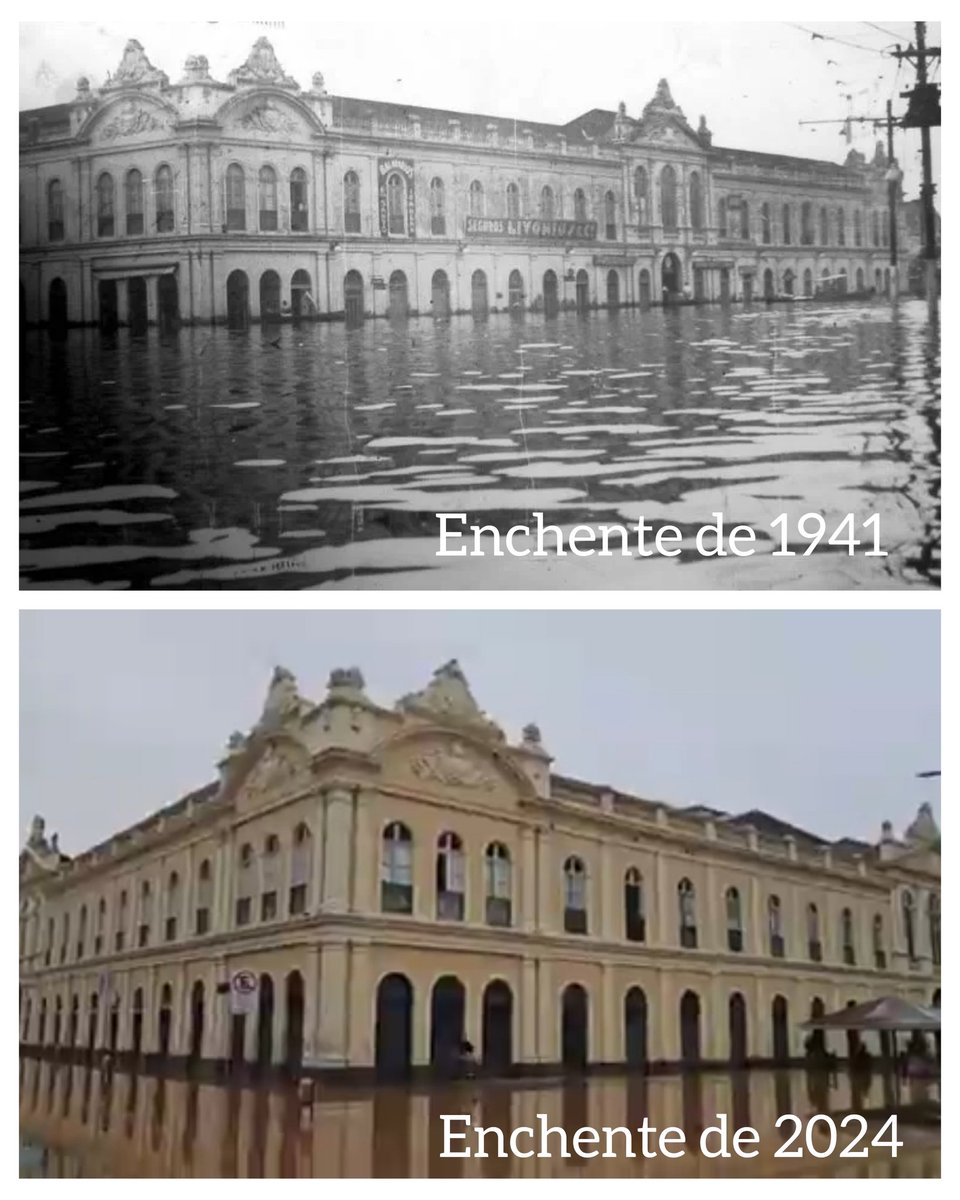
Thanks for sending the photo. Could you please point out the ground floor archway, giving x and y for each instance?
(265, 1004)
(671, 276)
(497, 1026)
(394, 1023)
(293, 1025)
(165, 1021)
(583, 291)
(613, 289)
(645, 292)
(269, 296)
(168, 303)
(440, 295)
(737, 1017)
(137, 304)
(574, 1027)
(781, 1030)
(479, 295)
(551, 294)
(58, 313)
(108, 305)
(399, 304)
(635, 1027)
(447, 1006)
(353, 303)
(238, 300)
(300, 296)
(515, 293)
(769, 285)
(690, 1028)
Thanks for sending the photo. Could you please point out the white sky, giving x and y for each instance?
(754, 81)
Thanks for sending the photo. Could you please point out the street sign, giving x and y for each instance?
(243, 992)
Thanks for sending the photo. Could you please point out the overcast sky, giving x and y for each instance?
(822, 718)
(754, 81)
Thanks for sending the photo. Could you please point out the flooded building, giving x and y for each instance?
(150, 201)
(380, 886)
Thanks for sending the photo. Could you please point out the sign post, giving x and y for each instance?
(244, 987)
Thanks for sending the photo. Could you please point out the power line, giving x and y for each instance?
(826, 37)
(888, 32)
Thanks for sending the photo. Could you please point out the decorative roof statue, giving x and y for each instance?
(448, 697)
(135, 70)
(196, 69)
(346, 677)
(318, 87)
(262, 67)
(83, 88)
(923, 829)
(620, 122)
(663, 102)
(704, 133)
(36, 838)
(283, 701)
(855, 160)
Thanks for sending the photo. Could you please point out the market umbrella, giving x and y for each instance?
(888, 1013)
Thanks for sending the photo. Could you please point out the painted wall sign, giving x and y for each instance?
(532, 228)
(407, 217)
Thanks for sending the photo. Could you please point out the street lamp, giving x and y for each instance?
(893, 178)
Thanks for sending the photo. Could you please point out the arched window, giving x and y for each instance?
(351, 202)
(105, 205)
(744, 220)
(133, 202)
(101, 926)
(933, 918)
(687, 903)
(766, 225)
(267, 192)
(55, 230)
(841, 227)
(172, 906)
(236, 197)
(884, 231)
(574, 895)
(450, 877)
(299, 213)
(300, 864)
(734, 920)
(909, 924)
(696, 202)
(513, 202)
(814, 945)
(879, 947)
(633, 914)
(580, 205)
(875, 227)
(846, 938)
(722, 216)
(246, 885)
(775, 926)
(824, 227)
(82, 931)
(548, 209)
(497, 884)
(476, 198)
(204, 899)
(396, 869)
(145, 916)
(787, 228)
(270, 871)
(396, 204)
(438, 214)
(806, 224)
(120, 933)
(610, 216)
(163, 198)
(641, 194)
(857, 227)
(668, 198)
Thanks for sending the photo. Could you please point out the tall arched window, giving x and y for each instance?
(171, 907)
(787, 226)
(806, 224)
(846, 938)
(696, 202)
(396, 869)
(548, 208)
(145, 915)
(633, 914)
(744, 220)
(513, 202)
(299, 211)
(497, 884)
(775, 926)
(396, 204)
(574, 895)
(120, 932)
(236, 197)
(687, 904)
(204, 899)
(476, 198)
(641, 194)
(246, 885)
(824, 227)
(55, 230)
(580, 205)
(105, 206)
(879, 947)
(133, 202)
(933, 918)
(857, 227)
(450, 877)
(669, 218)
(270, 869)
(875, 227)
(438, 212)
(909, 924)
(351, 202)
(301, 860)
(163, 198)
(841, 227)
(722, 217)
(734, 920)
(766, 225)
(82, 931)
(814, 945)
(610, 216)
(267, 193)
(100, 927)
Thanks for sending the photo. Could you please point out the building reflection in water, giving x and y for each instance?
(79, 1121)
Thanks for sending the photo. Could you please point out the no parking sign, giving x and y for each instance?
(243, 992)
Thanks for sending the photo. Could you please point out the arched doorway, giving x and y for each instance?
(816, 1043)
(583, 291)
(746, 285)
(860, 279)
(781, 1034)
(393, 1026)
(107, 301)
(808, 282)
(690, 1028)
(165, 1021)
(168, 303)
(195, 1050)
(353, 299)
(671, 276)
(497, 1026)
(238, 1039)
(293, 1025)
(137, 304)
(93, 1018)
(136, 1023)
(479, 300)
(399, 305)
(644, 289)
(635, 1027)
(300, 296)
(613, 289)
(265, 1022)
(238, 300)
(737, 1017)
(788, 278)
(551, 296)
(447, 1004)
(113, 1025)
(574, 1035)
(269, 296)
(769, 287)
(57, 311)
(440, 294)
(515, 296)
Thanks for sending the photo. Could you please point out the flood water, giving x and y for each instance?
(318, 456)
(76, 1122)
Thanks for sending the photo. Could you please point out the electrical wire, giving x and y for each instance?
(826, 37)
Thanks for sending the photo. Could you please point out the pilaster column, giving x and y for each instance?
(528, 1051)
(609, 1043)
(361, 1010)
(665, 923)
(366, 856)
(332, 1014)
(311, 1002)
(337, 852)
(548, 878)
(527, 917)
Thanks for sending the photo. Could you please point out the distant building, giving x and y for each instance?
(205, 201)
(400, 881)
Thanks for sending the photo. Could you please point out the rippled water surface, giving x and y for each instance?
(319, 456)
(76, 1122)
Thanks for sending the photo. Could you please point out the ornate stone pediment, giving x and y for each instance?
(262, 67)
(131, 119)
(448, 697)
(264, 115)
(280, 769)
(663, 121)
(135, 70)
(453, 764)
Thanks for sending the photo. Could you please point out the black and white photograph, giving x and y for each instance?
(491, 304)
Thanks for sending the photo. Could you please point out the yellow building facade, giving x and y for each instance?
(400, 881)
